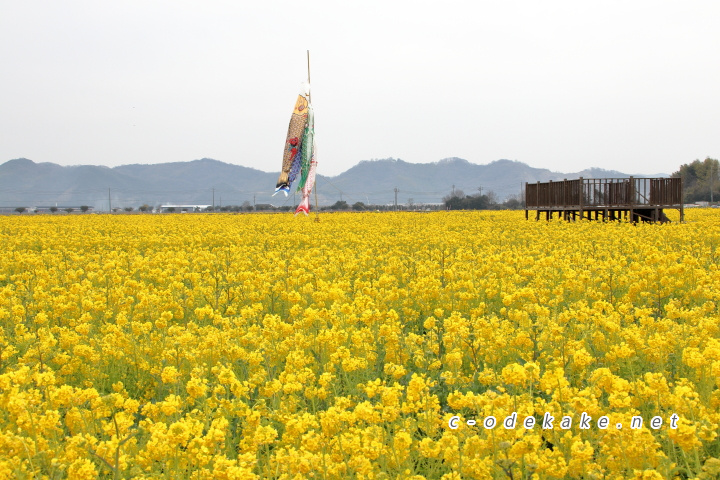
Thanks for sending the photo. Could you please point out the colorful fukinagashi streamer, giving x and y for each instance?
(296, 145)
(309, 183)
(299, 159)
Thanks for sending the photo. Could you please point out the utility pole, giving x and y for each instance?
(213, 198)
(453, 192)
(396, 192)
(254, 207)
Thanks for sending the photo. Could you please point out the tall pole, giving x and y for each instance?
(317, 212)
(396, 192)
(308, 61)
(213, 198)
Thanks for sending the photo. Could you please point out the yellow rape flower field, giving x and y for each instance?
(265, 346)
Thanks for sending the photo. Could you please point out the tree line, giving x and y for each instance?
(701, 180)
(457, 200)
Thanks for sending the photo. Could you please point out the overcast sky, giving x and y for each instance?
(631, 85)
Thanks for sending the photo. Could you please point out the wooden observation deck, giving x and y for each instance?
(606, 198)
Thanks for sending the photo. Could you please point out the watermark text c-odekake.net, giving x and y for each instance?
(566, 422)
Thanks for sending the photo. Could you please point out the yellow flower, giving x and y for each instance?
(514, 374)
(196, 388)
(169, 375)
(82, 469)
(209, 346)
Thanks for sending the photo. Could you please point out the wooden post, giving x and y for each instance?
(682, 200)
(631, 192)
(550, 195)
(582, 192)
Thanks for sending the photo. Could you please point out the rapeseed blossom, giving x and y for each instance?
(207, 346)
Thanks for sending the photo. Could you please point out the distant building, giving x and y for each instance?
(182, 208)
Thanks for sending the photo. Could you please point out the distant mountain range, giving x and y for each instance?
(29, 184)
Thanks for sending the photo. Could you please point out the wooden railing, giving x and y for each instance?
(605, 192)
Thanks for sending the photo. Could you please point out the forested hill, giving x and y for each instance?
(27, 183)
